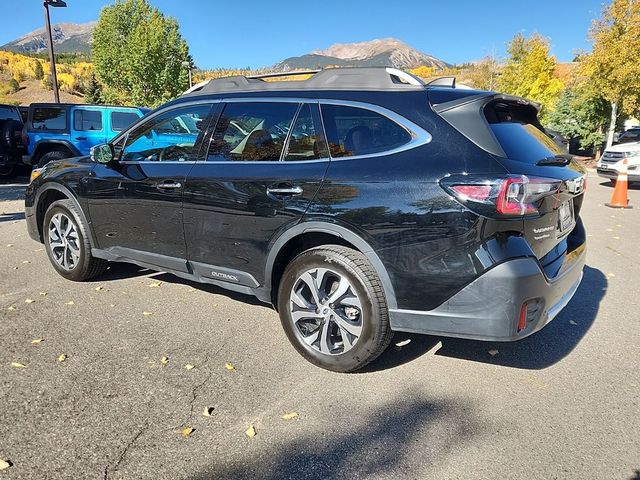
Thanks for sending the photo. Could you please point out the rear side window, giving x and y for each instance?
(252, 131)
(49, 119)
(355, 131)
(84, 120)
(7, 113)
(304, 142)
(121, 120)
(517, 130)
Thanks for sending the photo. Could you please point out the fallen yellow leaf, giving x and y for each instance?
(290, 416)
(29, 300)
(36, 341)
(188, 366)
(146, 314)
(155, 284)
(186, 431)
(230, 367)
(26, 261)
(112, 305)
(15, 268)
(9, 244)
(250, 432)
(4, 464)
(164, 360)
(44, 294)
(62, 357)
(493, 352)
(11, 308)
(39, 250)
(70, 302)
(18, 365)
(611, 275)
(208, 411)
(99, 289)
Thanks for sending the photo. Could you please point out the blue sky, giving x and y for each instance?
(256, 33)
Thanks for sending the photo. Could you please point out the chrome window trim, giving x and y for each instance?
(419, 136)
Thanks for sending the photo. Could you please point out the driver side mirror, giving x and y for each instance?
(102, 153)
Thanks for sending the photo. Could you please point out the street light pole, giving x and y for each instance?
(47, 23)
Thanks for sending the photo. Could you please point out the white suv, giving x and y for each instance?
(610, 162)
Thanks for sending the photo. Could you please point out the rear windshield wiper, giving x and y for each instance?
(555, 160)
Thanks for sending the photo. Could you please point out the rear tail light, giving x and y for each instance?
(511, 196)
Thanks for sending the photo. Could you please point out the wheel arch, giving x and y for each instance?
(45, 146)
(313, 234)
(50, 193)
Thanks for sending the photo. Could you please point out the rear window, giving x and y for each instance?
(121, 120)
(7, 113)
(49, 119)
(517, 130)
(85, 120)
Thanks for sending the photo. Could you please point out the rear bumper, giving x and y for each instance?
(613, 175)
(489, 307)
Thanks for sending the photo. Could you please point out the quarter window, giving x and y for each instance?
(170, 136)
(252, 131)
(121, 120)
(357, 131)
(49, 119)
(84, 120)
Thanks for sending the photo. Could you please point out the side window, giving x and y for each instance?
(121, 120)
(304, 142)
(158, 140)
(84, 120)
(49, 119)
(357, 131)
(252, 131)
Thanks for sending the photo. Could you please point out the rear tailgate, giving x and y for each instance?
(508, 128)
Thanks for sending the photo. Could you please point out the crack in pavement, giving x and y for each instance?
(129, 445)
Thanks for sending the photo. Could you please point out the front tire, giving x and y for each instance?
(67, 244)
(333, 309)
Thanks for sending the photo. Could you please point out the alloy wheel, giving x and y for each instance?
(326, 311)
(63, 241)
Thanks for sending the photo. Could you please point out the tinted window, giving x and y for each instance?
(357, 131)
(516, 129)
(87, 120)
(49, 119)
(304, 142)
(252, 131)
(7, 113)
(158, 139)
(121, 120)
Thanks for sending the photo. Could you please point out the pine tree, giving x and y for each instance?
(38, 70)
(93, 93)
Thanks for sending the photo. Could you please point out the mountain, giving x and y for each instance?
(67, 38)
(384, 52)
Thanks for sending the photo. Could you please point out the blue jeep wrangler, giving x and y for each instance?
(54, 130)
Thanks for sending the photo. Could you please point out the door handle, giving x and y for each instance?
(284, 190)
(168, 185)
(81, 138)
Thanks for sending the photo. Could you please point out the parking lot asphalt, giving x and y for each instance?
(563, 403)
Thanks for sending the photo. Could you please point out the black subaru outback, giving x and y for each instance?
(358, 202)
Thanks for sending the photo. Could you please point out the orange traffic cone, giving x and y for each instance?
(619, 198)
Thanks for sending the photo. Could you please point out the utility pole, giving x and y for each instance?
(47, 23)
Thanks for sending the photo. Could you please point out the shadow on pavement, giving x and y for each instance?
(546, 347)
(376, 444)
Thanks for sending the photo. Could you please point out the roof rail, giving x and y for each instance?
(351, 78)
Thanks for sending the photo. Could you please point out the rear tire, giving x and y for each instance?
(67, 243)
(51, 156)
(333, 308)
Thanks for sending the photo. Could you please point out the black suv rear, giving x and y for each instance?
(358, 202)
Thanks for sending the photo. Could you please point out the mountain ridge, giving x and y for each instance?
(67, 38)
